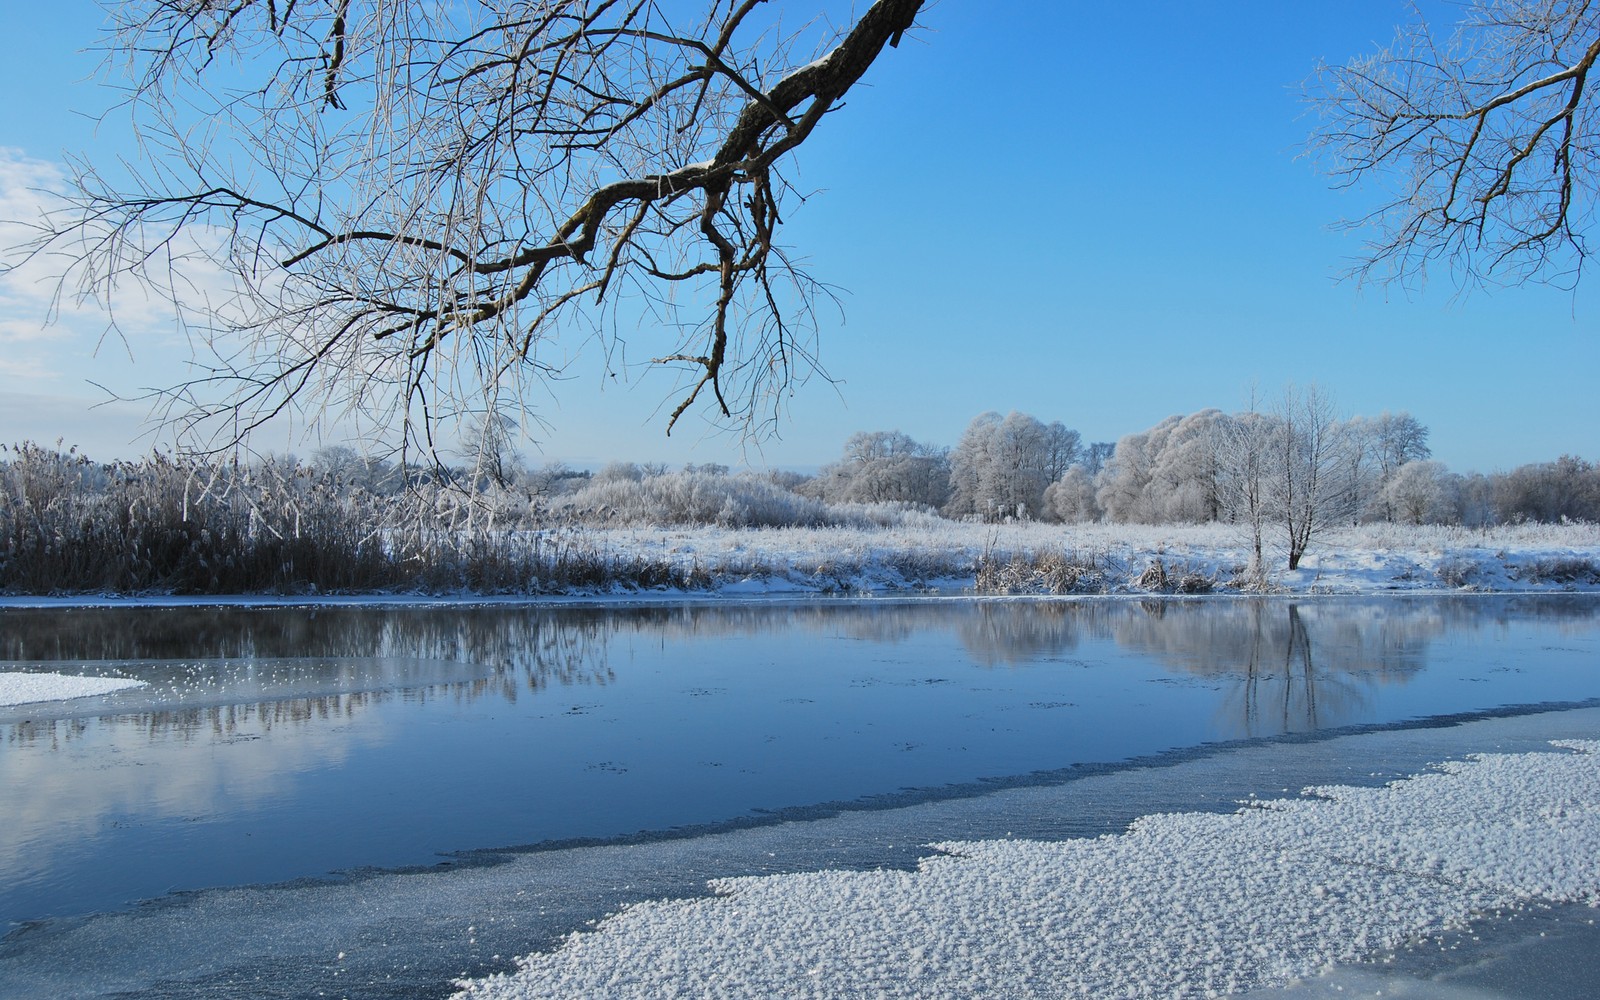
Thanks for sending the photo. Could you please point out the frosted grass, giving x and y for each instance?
(1181, 905)
(930, 552)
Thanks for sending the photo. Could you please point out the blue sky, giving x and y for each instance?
(1094, 213)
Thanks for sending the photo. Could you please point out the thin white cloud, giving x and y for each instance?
(29, 369)
(20, 331)
(59, 347)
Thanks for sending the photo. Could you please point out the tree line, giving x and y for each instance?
(342, 521)
(1294, 462)
(1285, 472)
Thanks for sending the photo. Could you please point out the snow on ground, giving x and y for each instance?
(925, 553)
(20, 688)
(1181, 905)
(933, 552)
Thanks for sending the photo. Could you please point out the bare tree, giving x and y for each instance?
(1096, 455)
(1566, 489)
(420, 210)
(1489, 140)
(1287, 470)
(1308, 488)
(1244, 444)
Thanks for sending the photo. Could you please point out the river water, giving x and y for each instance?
(289, 775)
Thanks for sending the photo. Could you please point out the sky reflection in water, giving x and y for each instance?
(278, 743)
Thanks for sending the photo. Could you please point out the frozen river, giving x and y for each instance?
(374, 801)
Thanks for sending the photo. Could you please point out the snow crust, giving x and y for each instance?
(23, 688)
(1181, 905)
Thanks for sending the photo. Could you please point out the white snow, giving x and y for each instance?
(934, 552)
(1181, 905)
(23, 688)
(926, 554)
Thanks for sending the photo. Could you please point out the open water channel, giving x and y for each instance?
(372, 800)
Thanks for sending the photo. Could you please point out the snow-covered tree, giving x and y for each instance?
(1002, 465)
(1244, 446)
(1122, 489)
(1071, 498)
(1165, 474)
(1383, 444)
(1184, 475)
(885, 466)
(1419, 492)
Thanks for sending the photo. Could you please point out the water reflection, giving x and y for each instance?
(1285, 666)
(211, 669)
(405, 731)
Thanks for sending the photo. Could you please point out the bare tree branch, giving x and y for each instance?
(1488, 144)
(410, 202)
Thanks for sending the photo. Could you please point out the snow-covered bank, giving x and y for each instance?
(1118, 558)
(1182, 905)
(927, 554)
(21, 688)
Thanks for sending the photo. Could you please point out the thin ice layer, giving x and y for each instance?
(1182, 905)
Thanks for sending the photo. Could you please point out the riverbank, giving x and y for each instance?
(935, 556)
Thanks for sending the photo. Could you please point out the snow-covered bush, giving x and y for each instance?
(691, 497)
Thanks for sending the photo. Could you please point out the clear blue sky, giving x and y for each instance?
(1093, 213)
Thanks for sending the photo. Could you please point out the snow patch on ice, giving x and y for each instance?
(23, 688)
(1181, 905)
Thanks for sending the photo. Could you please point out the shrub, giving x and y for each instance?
(1558, 569)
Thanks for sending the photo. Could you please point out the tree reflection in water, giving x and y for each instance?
(1287, 665)
(412, 729)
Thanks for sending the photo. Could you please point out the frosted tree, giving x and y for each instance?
(491, 449)
(1308, 487)
(1167, 473)
(1382, 445)
(1244, 448)
(1184, 475)
(347, 465)
(1071, 498)
(885, 466)
(421, 210)
(1028, 456)
(970, 464)
(1122, 489)
(1002, 466)
(1483, 143)
(1420, 492)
